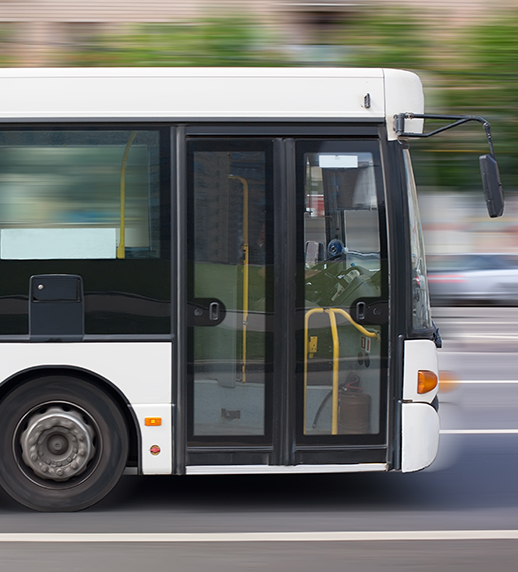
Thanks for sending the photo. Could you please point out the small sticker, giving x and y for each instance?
(155, 450)
(328, 161)
(365, 344)
(312, 346)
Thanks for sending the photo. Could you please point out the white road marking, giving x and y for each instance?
(227, 537)
(487, 336)
(479, 431)
(453, 322)
(470, 353)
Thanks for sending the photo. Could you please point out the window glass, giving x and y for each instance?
(345, 304)
(79, 194)
(421, 313)
(92, 202)
(229, 287)
(341, 209)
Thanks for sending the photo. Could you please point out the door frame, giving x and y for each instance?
(283, 450)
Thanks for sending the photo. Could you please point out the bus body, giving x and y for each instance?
(209, 271)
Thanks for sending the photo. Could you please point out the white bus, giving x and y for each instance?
(211, 271)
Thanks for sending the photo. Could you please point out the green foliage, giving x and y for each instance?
(493, 47)
(5, 38)
(483, 80)
(221, 41)
(384, 37)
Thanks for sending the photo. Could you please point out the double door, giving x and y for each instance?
(287, 301)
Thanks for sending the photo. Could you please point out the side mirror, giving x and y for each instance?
(492, 185)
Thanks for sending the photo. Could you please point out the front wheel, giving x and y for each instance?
(63, 444)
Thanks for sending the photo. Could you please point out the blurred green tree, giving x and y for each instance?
(218, 41)
(484, 81)
(386, 37)
(5, 40)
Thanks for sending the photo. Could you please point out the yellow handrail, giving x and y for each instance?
(246, 251)
(121, 249)
(331, 312)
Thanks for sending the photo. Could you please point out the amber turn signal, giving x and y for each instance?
(426, 381)
(153, 421)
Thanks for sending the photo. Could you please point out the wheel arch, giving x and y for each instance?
(19, 378)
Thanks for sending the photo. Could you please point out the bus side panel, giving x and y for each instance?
(140, 371)
(419, 355)
(420, 439)
(155, 438)
(420, 421)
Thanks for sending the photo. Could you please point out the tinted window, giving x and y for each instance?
(230, 288)
(79, 194)
(94, 203)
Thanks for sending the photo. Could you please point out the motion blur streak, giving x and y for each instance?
(332, 536)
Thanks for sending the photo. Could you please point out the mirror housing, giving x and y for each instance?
(492, 185)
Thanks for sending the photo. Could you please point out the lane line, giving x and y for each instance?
(478, 352)
(498, 337)
(478, 431)
(228, 537)
(453, 325)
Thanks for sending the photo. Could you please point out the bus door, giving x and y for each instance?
(230, 300)
(287, 334)
(342, 303)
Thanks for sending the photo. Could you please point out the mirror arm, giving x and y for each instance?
(489, 168)
(487, 129)
(399, 125)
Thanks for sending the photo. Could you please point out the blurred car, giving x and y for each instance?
(473, 278)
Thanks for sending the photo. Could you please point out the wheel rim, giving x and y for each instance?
(58, 442)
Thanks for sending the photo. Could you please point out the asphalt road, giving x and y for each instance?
(460, 514)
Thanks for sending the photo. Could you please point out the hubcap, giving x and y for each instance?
(57, 444)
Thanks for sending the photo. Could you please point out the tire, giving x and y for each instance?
(63, 444)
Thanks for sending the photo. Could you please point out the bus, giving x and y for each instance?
(211, 271)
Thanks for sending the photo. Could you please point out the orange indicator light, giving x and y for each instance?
(153, 421)
(426, 381)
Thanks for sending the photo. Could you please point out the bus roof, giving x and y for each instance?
(325, 94)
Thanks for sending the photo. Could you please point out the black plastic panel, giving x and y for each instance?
(56, 308)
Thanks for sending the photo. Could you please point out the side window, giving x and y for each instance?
(92, 202)
(341, 220)
(79, 195)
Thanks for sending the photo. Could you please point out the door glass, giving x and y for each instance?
(229, 298)
(344, 293)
